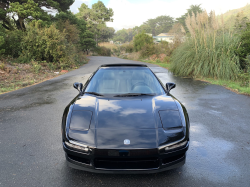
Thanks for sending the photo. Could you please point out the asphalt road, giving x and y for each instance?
(31, 152)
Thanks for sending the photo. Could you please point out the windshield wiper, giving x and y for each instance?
(94, 93)
(132, 94)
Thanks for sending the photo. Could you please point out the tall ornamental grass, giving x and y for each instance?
(209, 51)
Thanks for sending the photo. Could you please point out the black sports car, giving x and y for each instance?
(125, 121)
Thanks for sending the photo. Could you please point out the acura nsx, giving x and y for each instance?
(124, 120)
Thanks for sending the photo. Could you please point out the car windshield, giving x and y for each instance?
(124, 80)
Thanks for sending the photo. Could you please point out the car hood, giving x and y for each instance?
(133, 118)
(125, 113)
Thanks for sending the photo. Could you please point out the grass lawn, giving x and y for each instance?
(231, 85)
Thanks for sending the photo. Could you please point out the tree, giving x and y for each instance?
(161, 24)
(241, 22)
(95, 17)
(106, 33)
(143, 28)
(130, 34)
(141, 40)
(25, 10)
(244, 50)
(192, 9)
(152, 24)
(87, 41)
(86, 37)
(121, 36)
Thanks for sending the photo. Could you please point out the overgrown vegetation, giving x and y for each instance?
(205, 47)
(1, 43)
(209, 52)
(101, 51)
(142, 40)
(244, 50)
(156, 26)
(30, 35)
(96, 18)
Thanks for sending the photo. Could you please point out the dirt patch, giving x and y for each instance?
(14, 76)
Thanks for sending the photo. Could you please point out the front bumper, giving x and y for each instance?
(132, 164)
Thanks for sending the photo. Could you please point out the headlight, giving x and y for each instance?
(78, 146)
(170, 119)
(173, 146)
(167, 148)
(80, 120)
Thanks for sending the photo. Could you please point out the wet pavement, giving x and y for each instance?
(30, 135)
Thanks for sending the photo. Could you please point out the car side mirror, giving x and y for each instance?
(78, 86)
(170, 86)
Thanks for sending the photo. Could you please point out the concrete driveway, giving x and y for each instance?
(30, 135)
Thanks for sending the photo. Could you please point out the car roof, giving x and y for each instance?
(123, 65)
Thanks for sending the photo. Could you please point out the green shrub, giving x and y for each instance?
(129, 48)
(71, 31)
(166, 59)
(244, 49)
(2, 36)
(162, 48)
(116, 51)
(122, 47)
(36, 67)
(12, 45)
(44, 44)
(141, 40)
(158, 61)
(1, 44)
(244, 79)
(147, 50)
(102, 51)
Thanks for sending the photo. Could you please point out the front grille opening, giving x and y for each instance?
(172, 159)
(134, 153)
(126, 163)
(79, 159)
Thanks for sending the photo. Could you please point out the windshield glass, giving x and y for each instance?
(123, 80)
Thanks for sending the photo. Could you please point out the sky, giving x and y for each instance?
(131, 13)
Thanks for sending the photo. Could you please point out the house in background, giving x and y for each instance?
(164, 37)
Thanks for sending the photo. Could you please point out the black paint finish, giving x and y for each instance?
(80, 120)
(103, 123)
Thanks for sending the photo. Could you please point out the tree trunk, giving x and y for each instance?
(20, 24)
(96, 42)
(5, 26)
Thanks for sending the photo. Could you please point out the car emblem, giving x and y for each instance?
(126, 142)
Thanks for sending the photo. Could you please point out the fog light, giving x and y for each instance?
(175, 146)
(77, 146)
